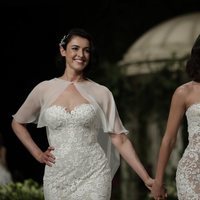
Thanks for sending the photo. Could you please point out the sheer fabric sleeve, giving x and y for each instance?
(103, 99)
(113, 121)
(30, 109)
(110, 121)
(113, 125)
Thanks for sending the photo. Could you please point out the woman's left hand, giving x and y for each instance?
(149, 183)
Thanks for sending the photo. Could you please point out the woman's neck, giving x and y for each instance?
(73, 78)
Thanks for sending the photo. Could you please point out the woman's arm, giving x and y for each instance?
(24, 136)
(127, 151)
(177, 110)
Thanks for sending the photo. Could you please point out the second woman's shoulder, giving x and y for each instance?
(186, 87)
(183, 90)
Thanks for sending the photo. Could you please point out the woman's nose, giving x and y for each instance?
(80, 53)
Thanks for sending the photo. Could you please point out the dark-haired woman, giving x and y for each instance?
(185, 101)
(84, 130)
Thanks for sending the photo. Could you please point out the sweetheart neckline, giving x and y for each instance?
(72, 110)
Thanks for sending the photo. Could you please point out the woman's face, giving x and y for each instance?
(77, 54)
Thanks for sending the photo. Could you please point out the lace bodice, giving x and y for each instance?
(188, 171)
(67, 129)
(81, 170)
(193, 118)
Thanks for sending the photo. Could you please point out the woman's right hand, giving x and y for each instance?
(47, 157)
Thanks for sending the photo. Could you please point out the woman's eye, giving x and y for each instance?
(87, 50)
(75, 48)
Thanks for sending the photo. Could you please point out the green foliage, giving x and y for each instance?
(152, 92)
(171, 190)
(27, 190)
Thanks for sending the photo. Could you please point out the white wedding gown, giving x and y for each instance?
(81, 171)
(188, 171)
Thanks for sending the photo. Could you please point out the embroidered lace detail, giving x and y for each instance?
(188, 171)
(81, 170)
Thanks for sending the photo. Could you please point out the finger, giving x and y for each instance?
(49, 157)
(48, 154)
(48, 162)
(50, 148)
(52, 160)
(150, 188)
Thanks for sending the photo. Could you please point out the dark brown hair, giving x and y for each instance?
(193, 63)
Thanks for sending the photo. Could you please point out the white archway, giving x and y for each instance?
(171, 39)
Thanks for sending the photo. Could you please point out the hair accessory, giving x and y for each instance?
(63, 42)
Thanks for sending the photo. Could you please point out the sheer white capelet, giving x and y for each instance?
(46, 92)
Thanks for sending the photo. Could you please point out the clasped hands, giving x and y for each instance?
(158, 191)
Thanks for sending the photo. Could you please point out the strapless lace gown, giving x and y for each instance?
(188, 171)
(81, 171)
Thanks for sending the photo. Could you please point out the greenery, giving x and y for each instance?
(26, 190)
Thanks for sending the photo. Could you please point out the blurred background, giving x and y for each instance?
(143, 47)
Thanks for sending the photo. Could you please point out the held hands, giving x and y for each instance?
(149, 183)
(47, 157)
(158, 191)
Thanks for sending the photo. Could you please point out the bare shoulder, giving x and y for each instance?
(181, 94)
(183, 90)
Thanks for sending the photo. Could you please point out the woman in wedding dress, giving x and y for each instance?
(185, 101)
(84, 130)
